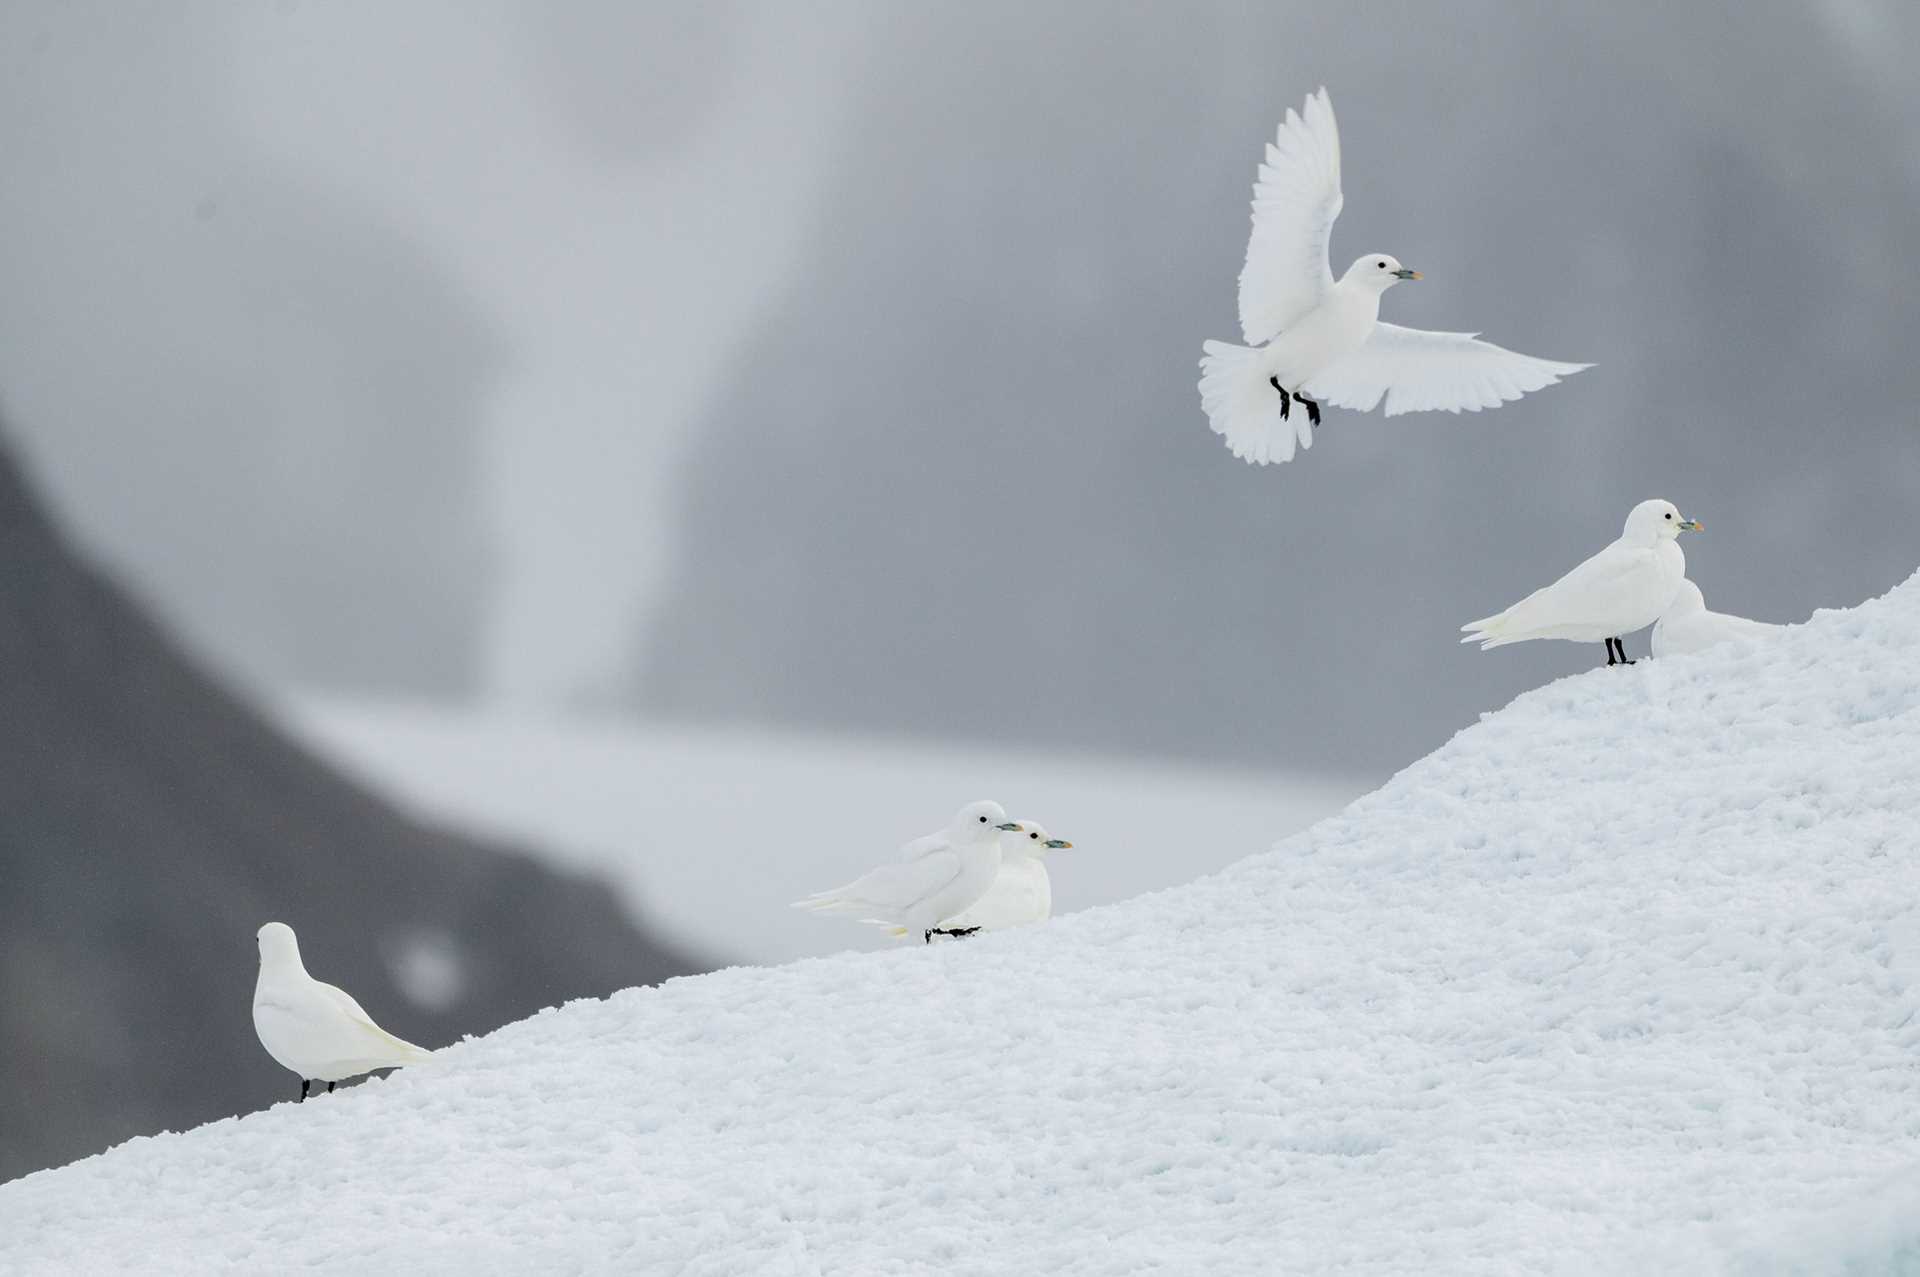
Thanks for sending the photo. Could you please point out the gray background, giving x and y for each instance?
(833, 366)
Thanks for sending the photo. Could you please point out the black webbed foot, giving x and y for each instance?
(1312, 405)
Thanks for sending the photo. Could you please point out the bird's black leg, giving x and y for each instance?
(1622, 645)
(304, 1084)
(1610, 661)
(926, 938)
(1313, 407)
(1286, 407)
(329, 1088)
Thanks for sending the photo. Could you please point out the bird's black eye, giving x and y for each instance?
(983, 820)
(1035, 837)
(1666, 516)
(1383, 265)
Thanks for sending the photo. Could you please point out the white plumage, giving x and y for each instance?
(937, 875)
(1021, 893)
(1320, 338)
(312, 1028)
(1621, 589)
(1687, 625)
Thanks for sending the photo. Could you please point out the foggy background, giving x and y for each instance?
(833, 366)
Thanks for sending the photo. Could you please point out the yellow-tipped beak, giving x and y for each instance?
(1692, 525)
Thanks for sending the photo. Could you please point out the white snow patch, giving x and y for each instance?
(1622, 979)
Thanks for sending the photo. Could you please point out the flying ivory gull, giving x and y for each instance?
(1315, 340)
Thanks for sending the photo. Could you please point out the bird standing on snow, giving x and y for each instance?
(1617, 591)
(1021, 893)
(312, 1028)
(936, 877)
(1317, 340)
(1687, 625)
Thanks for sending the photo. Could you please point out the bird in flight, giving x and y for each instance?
(1313, 339)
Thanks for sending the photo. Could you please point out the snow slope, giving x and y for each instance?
(1624, 978)
(709, 833)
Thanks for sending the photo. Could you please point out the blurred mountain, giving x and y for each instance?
(150, 822)
(294, 380)
(960, 482)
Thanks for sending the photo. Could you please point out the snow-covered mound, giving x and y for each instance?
(1621, 979)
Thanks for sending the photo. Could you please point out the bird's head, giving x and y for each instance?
(1657, 520)
(1030, 838)
(1379, 272)
(978, 822)
(277, 944)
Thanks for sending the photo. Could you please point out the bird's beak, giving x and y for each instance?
(1011, 824)
(1692, 525)
(1407, 274)
(1058, 844)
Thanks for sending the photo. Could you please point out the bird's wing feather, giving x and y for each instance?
(1596, 586)
(345, 1001)
(889, 889)
(925, 844)
(1420, 371)
(1295, 201)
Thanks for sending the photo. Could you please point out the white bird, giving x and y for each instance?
(1617, 591)
(1021, 893)
(1315, 340)
(313, 1028)
(937, 875)
(1687, 625)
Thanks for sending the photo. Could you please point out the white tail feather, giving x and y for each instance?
(1244, 409)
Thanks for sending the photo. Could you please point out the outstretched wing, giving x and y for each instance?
(1295, 200)
(1419, 371)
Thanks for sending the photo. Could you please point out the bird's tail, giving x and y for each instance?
(1244, 409)
(1491, 631)
(837, 901)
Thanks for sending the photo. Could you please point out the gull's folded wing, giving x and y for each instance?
(1419, 371)
(358, 1014)
(1295, 201)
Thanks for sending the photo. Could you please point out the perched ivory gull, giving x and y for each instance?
(1687, 625)
(313, 1028)
(1021, 893)
(936, 877)
(1617, 591)
(1312, 339)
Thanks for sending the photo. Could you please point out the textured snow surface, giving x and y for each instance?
(1621, 979)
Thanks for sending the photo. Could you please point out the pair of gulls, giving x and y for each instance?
(1638, 580)
(982, 872)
